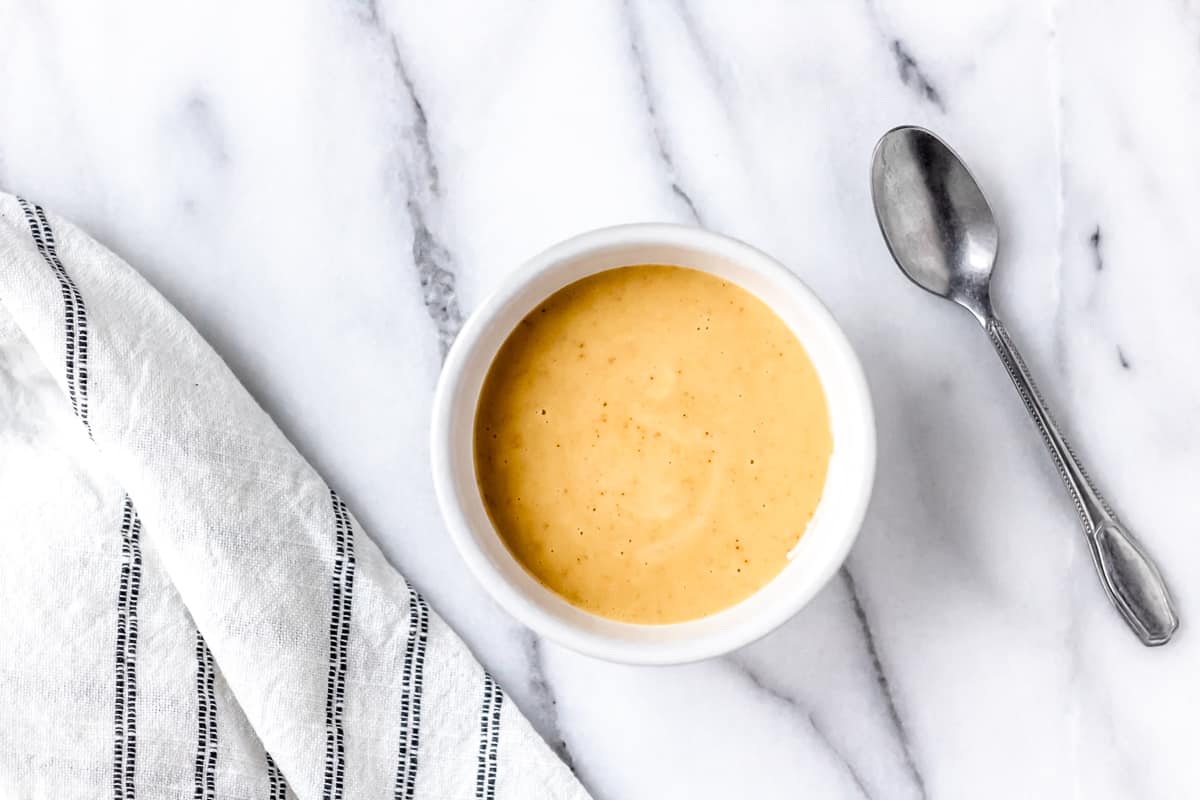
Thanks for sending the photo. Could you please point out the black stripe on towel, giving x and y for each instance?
(339, 636)
(125, 701)
(74, 313)
(494, 752)
(75, 337)
(489, 739)
(206, 727)
(410, 698)
(276, 786)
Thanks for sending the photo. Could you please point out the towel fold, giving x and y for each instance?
(188, 609)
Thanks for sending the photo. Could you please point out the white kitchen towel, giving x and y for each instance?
(186, 608)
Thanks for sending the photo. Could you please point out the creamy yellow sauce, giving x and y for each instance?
(651, 442)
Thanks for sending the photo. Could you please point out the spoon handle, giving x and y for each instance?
(1134, 584)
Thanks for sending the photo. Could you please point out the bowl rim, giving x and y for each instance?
(511, 598)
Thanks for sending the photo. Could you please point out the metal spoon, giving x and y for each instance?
(941, 232)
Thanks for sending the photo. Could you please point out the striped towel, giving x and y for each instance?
(188, 610)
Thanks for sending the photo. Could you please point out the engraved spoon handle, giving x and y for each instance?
(1133, 583)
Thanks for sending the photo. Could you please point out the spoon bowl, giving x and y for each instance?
(934, 217)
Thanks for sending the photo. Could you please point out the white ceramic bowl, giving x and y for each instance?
(821, 549)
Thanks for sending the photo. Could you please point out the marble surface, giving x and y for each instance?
(328, 189)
